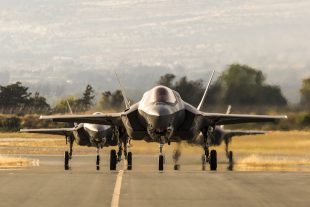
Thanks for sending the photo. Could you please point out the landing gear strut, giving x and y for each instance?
(98, 160)
(209, 157)
(119, 153)
(176, 156)
(161, 159)
(229, 155)
(68, 154)
(205, 157)
(128, 155)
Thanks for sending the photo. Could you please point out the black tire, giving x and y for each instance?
(230, 161)
(113, 160)
(98, 162)
(176, 167)
(213, 160)
(129, 161)
(66, 159)
(161, 163)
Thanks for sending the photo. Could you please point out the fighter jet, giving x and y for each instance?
(219, 136)
(91, 135)
(162, 116)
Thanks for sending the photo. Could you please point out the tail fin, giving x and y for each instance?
(205, 93)
(126, 101)
(70, 109)
(228, 109)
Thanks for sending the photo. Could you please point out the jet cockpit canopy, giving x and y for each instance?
(160, 94)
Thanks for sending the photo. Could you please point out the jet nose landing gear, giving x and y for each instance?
(98, 160)
(161, 158)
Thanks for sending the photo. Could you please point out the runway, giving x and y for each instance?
(49, 185)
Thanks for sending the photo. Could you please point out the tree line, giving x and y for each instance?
(241, 86)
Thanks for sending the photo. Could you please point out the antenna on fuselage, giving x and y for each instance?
(205, 93)
(70, 109)
(126, 101)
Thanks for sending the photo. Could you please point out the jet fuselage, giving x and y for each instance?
(161, 114)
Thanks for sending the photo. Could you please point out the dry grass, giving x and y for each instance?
(272, 151)
(26, 135)
(273, 163)
(273, 143)
(13, 161)
(285, 143)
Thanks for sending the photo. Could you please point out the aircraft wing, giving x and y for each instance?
(59, 131)
(104, 119)
(232, 133)
(223, 119)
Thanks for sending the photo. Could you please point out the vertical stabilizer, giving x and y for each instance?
(71, 112)
(228, 109)
(126, 101)
(227, 112)
(205, 93)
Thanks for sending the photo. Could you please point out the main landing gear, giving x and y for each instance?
(128, 155)
(176, 156)
(68, 154)
(229, 155)
(113, 160)
(122, 147)
(210, 158)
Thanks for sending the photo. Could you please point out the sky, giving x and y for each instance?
(56, 47)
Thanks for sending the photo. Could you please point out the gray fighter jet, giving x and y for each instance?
(162, 116)
(219, 136)
(91, 135)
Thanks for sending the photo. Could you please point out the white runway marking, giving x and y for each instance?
(35, 163)
(117, 189)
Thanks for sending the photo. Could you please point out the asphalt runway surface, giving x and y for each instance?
(47, 184)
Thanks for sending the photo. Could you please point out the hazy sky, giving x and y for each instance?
(47, 40)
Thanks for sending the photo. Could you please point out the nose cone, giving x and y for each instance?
(160, 123)
(159, 116)
(159, 110)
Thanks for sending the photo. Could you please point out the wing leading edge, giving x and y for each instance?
(223, 119)
(104, 119)
(232, 133)
(59, 131)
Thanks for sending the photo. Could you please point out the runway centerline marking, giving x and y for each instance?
(117, 189)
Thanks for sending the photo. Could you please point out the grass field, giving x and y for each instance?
(275, 150)
(6, 161)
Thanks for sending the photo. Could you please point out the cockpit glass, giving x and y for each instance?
(163, 95)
